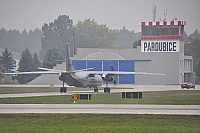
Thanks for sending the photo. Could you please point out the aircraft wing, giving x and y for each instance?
(36, 72)
(122, 73)
(47, 71)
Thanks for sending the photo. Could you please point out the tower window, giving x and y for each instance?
(165, 30)
(146, 31)
(155, 30)
(174, 30)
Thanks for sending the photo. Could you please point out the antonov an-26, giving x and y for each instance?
(84, 77)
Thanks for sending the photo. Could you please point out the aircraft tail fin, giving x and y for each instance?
(69, 66)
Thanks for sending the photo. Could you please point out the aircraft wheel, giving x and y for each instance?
(95, 89)
(63, 89)
(107, 90)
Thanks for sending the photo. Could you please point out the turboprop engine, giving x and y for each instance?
(108, 78)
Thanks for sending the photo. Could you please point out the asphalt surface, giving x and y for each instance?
(123, 88)
(102, 108)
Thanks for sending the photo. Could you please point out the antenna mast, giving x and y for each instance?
(165, 15)
(154, 13)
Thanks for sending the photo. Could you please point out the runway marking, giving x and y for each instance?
(101, 109)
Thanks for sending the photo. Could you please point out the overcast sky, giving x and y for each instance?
(30, 14)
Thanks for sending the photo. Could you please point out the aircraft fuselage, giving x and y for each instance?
(81, 79)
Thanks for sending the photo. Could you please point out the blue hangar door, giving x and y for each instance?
(105, 65)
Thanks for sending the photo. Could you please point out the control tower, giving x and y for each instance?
(162, 36)
(166, 39)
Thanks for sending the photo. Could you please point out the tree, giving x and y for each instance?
(36, 61)
(50, 58)
(126, 38)
(90, 34)
(194, 35)
(17, 42)
(193, 49)
(26, 64)
(6, 60)
(56, 34)
(2, 70)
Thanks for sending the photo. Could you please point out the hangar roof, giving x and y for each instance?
(103, 56)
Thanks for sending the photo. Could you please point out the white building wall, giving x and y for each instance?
(166, 63)
(181, 62)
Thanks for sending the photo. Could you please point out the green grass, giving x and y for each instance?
(87, 123)
(14, 90)
(182, 97)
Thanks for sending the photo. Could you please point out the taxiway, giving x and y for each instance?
(114, 89)
(101, 109)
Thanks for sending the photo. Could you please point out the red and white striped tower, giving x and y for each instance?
(165, 36)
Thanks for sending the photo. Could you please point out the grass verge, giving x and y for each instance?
(182, 97)
(14, 90)
(21, 123)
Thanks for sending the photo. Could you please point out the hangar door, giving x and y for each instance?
(105, 65)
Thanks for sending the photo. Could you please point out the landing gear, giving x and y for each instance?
(107, 89)
(63, 89)
(96, 89)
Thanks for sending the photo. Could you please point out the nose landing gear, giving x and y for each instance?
(63, 89)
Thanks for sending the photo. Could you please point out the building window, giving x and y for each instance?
(146, 31)
(174, 30)
(165, 30)
(155, 30)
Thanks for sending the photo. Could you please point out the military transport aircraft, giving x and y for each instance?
(84, 77)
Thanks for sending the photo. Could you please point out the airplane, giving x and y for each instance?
(84, 77)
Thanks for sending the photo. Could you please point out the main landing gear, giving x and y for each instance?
(96, 89)
(107, 89)
(63, 89)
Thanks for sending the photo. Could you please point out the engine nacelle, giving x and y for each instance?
(61, 78)
(108, 78)
(103, 77)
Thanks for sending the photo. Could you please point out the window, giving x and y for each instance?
(155, 30)
(174, 30)
(165, 30)
(146, 31)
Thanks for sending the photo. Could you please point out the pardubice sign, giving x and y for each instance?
(160, 46)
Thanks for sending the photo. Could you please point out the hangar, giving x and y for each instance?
(102, 61)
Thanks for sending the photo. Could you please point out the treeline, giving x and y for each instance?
(17, 41)
(85, 34)
(125, 37)
(27, 63)
(192, 48)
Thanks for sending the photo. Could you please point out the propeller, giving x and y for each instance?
(112, 67)
(114, 79)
